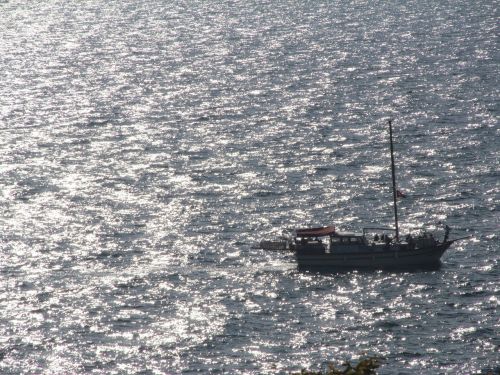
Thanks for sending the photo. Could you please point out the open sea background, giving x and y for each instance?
(146, 145)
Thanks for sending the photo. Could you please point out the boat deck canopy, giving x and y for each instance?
(315, 232)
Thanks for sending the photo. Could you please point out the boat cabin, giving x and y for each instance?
(348, 238)
(327, 239)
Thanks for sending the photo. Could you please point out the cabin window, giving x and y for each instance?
(346, 240)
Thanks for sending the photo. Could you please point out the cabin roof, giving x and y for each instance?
(315, 232)
(348, 234)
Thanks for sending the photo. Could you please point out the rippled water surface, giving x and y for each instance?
(146, 145)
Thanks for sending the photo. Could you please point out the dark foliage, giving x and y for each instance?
(364, 367)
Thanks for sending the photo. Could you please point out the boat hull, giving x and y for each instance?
(395, 257)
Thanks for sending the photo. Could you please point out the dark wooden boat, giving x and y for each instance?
(327, 247)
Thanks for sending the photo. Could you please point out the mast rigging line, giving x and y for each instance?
(394, 191)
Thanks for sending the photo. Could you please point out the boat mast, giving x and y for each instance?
(394, 191)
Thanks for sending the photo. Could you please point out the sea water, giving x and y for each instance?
(145, 146)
